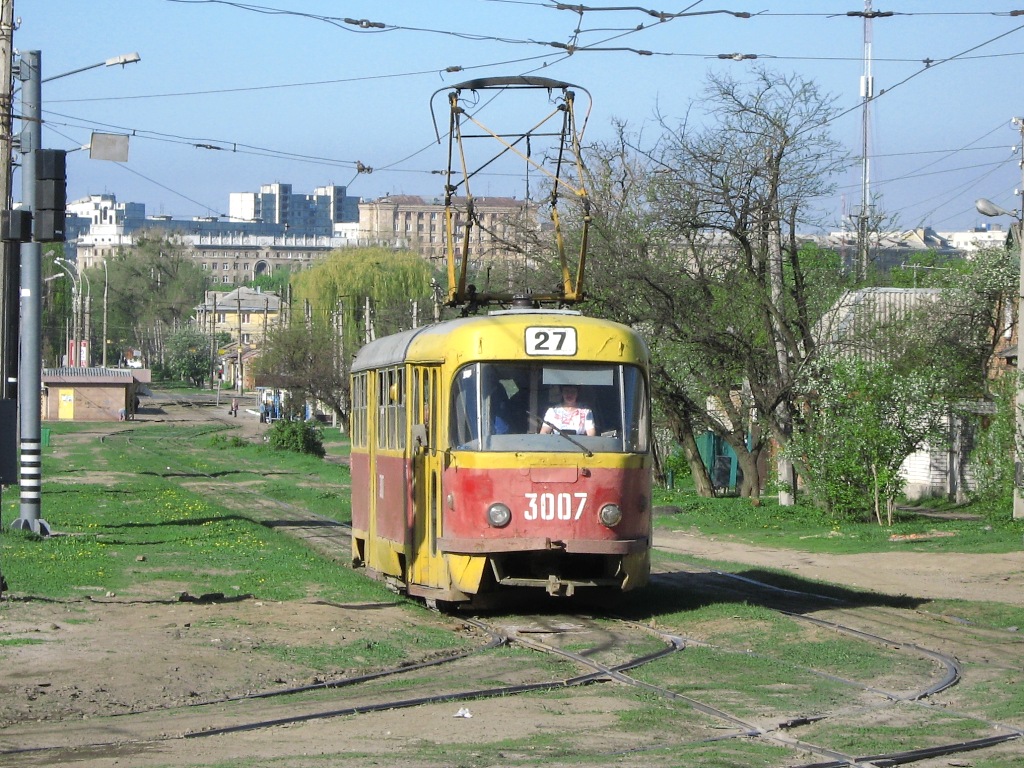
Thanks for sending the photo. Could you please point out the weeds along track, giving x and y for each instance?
(401, 688)
(595, 650)
(552, 655)
(857, 617)
(327, 536)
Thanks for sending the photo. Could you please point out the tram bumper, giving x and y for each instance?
(558, 567)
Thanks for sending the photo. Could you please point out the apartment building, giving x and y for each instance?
(418, 224)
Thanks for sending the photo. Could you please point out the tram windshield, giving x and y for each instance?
(533, 406)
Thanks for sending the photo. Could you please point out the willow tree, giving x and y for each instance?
(339, 290)
(353, 295)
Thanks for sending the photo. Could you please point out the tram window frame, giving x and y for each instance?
(360, 411)
(521, 392)
(391, 408)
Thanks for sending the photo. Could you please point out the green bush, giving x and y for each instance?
(222, 442)
(991, 461)
(297, 436)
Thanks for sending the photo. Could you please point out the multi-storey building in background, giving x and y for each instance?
(274, 228)
(234, 252)
(316, 214)
(418, 224)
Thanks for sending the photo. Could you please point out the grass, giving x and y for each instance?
(908, 728)
(135, 513)
(804, 527)
(126, 517)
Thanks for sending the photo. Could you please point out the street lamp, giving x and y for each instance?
(76, 303)
(988, 208)
(124, 58)
(106, 283)
(82, 310)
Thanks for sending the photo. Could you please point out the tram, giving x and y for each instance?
(465, 483)
(455, 489)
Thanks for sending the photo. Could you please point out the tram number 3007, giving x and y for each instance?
(555, 506)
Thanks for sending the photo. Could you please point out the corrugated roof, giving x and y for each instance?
(68, 375)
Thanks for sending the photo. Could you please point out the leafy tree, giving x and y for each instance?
(188, 355)
(57, 308)
(153, 288)
(854, 432)
(336, 291)
(992, 460)
(308, 362)
(273, 282)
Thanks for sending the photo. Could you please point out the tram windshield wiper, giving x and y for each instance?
(567, 434)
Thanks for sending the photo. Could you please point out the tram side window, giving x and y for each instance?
(400, 410)
(359, 411)
(465, 418)
(391, 410)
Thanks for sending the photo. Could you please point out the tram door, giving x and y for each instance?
(426, 566)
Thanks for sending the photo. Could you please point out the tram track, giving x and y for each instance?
(271, 710)
(520, 630)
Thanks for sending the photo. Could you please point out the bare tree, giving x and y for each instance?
(700, 246)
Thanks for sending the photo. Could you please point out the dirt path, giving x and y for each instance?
(988, 577)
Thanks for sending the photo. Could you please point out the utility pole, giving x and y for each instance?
(1018, 402)
(106, 282)
(214, 368)
(30, 361)
(238, 296)
(9, 255)
(9, 278)
(867, 94)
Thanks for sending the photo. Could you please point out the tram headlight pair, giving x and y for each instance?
(610, 515)
(499, 515)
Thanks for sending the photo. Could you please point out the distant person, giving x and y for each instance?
(234, 407)
(569, 416)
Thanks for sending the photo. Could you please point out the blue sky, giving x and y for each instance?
(294, 98)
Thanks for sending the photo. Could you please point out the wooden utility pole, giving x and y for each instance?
(10, 277)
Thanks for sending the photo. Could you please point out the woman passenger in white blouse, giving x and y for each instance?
(569, 416)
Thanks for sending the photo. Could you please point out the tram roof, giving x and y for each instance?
(435, 343)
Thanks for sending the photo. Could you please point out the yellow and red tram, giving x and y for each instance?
(457, 493)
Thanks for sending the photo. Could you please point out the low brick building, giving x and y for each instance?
(91, 394)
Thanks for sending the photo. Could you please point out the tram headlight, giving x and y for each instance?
(610, 515)
(499, 515)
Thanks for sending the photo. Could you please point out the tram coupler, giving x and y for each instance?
(558, 588)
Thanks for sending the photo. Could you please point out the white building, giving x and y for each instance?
(318, 213)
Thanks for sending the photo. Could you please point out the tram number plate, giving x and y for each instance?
(550, 341)
(555, 506)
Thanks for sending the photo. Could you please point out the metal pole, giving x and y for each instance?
(239, 370)
(74, 346)
(30, 362)
(86, 353)
(9, 253)
(105, 284)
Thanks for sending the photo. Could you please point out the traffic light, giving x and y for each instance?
(51, 195)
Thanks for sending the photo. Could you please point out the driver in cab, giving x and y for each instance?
(569, 416)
